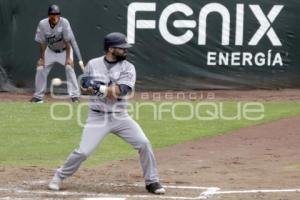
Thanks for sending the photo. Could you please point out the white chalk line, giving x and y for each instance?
(257, 191)
(202, 195)
(65, 193)
(109, 198)
(165, 186)
(42, 182)
(12, 198)
(209, 191)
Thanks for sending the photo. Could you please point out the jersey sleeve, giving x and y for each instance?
(39, 35)
(67, 30)
(128, 76)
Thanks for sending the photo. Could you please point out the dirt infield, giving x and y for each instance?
(255, 163)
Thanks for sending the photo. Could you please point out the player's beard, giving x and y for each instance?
(53, 20)
(120, 57)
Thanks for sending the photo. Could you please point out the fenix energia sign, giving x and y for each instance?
(265, 29)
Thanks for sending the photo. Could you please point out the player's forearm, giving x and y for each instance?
(113, 92)
(117, 91)
(76, 48)
(93, 87)
(68, 50)
(42, 47)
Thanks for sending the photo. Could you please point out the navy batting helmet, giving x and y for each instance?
(53, 10)
(116, 39)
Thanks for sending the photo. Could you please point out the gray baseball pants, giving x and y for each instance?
(97, 127)
(42, 73)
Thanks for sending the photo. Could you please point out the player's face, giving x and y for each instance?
(53, 19)
(119, 54)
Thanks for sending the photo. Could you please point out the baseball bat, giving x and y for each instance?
(81, 66)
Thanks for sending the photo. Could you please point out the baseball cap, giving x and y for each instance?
(116, 39)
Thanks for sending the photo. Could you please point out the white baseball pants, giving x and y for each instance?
(42, 73)
(97, 127)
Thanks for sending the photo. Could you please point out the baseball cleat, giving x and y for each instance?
(55, 183)
(75, 99)
(36, 100)
(155, 188)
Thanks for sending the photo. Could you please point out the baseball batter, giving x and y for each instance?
(108, 79)
(56, 39)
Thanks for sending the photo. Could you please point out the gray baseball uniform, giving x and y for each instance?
(55, 53)
(107, 116)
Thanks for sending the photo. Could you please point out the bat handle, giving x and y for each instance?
(81, 65)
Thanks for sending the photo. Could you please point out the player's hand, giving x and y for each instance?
(91, 91)
(113, 93)
(81, 65)
(69, 61)
(87, 91)
(41, 62)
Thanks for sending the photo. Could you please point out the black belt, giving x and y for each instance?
(100, 111)
(58, 50)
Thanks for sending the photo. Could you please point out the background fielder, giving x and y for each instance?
(113, 77)
(56, 39)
